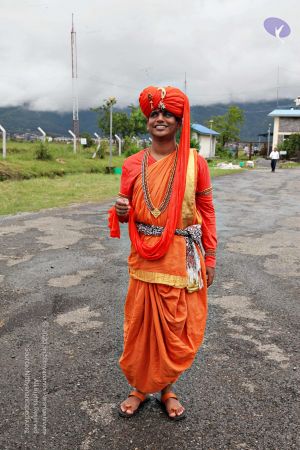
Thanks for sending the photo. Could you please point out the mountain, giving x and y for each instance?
(256, 115)
(20, 119)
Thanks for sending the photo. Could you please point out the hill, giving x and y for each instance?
(20, 119)
(256, 115)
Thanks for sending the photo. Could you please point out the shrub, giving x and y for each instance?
(223, 152)
(194, 143)
(291, 146)
(43, 152)
(103, 149)
(130, 147)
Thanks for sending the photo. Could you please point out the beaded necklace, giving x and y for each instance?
(156, 211)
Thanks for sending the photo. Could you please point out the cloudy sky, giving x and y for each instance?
(125, 45)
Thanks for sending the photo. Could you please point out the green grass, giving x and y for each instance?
(215, 172)
(289, 165)
(21, 163)
(44, 192)
(30, 184)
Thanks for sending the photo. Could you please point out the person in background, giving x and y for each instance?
(274, 156)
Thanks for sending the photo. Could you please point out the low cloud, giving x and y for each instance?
(124, 46)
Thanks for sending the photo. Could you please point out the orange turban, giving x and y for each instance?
(169, 98)
(175, 101)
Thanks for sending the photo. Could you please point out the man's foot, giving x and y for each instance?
(131, 405)
(172, 406)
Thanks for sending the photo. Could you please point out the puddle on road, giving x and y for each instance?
(79, 320)
(66, 281)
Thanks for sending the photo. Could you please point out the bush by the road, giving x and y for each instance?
(292, 146)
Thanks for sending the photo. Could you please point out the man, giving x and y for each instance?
(274, 156)
(166, 196)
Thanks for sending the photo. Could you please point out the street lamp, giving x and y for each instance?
(269, 133)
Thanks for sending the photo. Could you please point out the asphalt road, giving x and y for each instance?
(62, 288)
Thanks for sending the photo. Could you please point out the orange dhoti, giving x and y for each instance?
(164, 327)
(164, 323)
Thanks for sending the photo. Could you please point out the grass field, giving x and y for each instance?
(21, 162)
(30, 184)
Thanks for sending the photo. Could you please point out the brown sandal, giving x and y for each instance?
(140, 396)
(163, 400)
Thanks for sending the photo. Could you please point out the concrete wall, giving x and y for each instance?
(289, 125)
(207, 147)
(284, 126)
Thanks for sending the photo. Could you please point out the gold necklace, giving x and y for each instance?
(156, 211)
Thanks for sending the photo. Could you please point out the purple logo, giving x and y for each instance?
(277, 27)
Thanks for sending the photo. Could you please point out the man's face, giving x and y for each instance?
(162, 123)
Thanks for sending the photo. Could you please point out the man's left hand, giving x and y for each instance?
(210, 274)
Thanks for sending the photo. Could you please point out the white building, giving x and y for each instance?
(286, 122)
(206, 138)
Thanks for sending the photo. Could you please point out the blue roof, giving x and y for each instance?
(203, 130)
(285, 113)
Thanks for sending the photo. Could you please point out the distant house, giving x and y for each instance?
(286, 122)
(206, 139)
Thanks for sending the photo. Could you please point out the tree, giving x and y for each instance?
(119, 122)
(123, 124)
(137, 121)
(228, 125)
(291, 146)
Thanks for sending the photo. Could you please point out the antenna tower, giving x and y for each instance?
(74, 81)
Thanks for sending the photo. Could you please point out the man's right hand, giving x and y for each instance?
(122, 206)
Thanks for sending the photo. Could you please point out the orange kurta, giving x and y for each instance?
(164, 323)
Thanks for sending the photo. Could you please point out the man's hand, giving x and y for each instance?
(122, 206)
(210, 274)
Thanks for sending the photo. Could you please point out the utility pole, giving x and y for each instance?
(185, 83)
(74, 81)
(111, 101)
